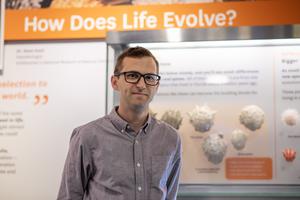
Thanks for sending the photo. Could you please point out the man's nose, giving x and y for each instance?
(141, 83)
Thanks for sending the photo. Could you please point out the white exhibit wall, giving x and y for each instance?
(46, 90)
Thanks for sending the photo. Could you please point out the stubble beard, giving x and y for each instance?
(141, 107)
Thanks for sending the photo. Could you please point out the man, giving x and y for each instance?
(126, 155)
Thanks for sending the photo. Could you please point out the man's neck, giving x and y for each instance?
(135, 119)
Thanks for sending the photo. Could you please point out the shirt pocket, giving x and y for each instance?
(112, 172)
(116, 168)
(159, 170)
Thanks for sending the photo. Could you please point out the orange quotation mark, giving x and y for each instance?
(41, 99)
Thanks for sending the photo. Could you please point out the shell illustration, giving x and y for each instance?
(23, 4)
(202, 118)
(173, 118)
(214, 147)
(289, 154)
(290, 117)
(252, 117)
(238, 139)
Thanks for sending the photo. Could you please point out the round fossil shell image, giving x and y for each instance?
(172, 117)
(239, 139)
(202, 118)
(290, 117)
(252, 117)
(214, 148)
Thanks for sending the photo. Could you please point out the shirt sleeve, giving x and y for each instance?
(173, 180)
(77, 169)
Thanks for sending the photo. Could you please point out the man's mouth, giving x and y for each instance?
(139, 93)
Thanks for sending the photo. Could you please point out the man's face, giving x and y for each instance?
(135, 95)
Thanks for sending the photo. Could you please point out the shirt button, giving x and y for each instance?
(139, 188)
(138, 164)
(136, 142)
(122, 130)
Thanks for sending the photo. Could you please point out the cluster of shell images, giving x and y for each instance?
(214, 145)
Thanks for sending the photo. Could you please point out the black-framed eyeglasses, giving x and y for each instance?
(134, 77)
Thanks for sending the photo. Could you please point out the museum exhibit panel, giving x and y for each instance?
(233, 95)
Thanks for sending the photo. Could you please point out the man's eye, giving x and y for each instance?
(150, 78)
(132, 76)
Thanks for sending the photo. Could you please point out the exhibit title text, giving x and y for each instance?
(137, 20)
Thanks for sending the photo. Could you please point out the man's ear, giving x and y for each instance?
(114, 82)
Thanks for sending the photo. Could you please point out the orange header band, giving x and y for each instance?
(41, 24)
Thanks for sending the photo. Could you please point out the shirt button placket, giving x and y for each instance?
(139, 178)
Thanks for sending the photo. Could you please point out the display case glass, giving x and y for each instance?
(234, 97)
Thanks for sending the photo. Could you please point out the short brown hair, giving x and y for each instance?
(134, 52)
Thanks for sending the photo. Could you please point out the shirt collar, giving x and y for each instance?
(122, 125)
